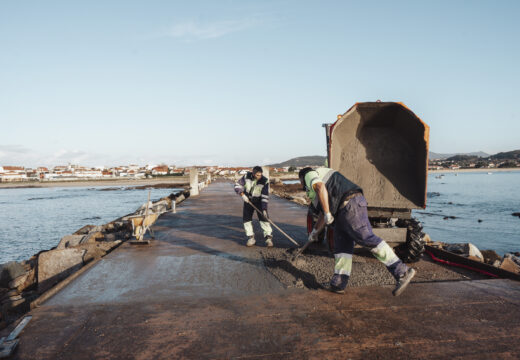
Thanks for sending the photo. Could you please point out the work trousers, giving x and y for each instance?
(352, 226)
(247, 217)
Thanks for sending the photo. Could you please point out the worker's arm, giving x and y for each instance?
(323, 196)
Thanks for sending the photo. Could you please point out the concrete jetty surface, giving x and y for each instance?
(198, 293)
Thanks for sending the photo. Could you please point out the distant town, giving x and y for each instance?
(78, 172)
(72, 172)
(509, 159)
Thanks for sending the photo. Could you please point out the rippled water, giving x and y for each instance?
(470, 197)
(35, 219)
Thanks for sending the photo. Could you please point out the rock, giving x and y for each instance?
(509, 265)
(56, 265)
(84, 230)
(449, 217)
(513, 257)
(70, 241)
(10, 271)
(24, 281)
(496, 263)
(467, 250)
(516, 214)
(490, 256)
(480, 220)
(98, 250)
(92, 237)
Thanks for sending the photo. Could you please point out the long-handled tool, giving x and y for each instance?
(272, 223)
(302, 249)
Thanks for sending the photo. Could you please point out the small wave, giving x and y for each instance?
(433, 194)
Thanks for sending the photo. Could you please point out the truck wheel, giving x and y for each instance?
(413, 249)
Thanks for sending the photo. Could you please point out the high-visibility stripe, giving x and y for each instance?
(384, 253)
(248, 227)
(342, 264)
(265, 200)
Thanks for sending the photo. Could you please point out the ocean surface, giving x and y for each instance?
(35, 219)
(469, 197)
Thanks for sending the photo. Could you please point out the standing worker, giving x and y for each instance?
(254, 189)
(336, 197)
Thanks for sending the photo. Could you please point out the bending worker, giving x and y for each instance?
(336, 197)
(254, 189)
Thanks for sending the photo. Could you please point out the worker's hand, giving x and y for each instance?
(245, 198)
(313, 236)
(265, 214)
(329, 219)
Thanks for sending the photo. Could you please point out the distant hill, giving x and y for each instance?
(316, 160)
(437, 156)
(515, 154)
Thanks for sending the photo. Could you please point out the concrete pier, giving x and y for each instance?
(198, 293)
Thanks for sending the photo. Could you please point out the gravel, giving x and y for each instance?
(315, 267)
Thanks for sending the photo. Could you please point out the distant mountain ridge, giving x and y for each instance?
(319, 160)
(314, 160)
(437, 156)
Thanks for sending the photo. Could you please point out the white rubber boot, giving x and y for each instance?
(251, 241)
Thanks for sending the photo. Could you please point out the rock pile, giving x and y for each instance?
(292, 192)
(509, 262)
(23, 282)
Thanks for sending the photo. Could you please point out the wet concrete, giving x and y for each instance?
(197, 292)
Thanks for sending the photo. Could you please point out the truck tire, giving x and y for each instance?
(413, 249)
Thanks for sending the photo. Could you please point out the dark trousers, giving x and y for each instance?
(352, 226)
(247, 217)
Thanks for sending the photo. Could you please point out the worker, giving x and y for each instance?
(254, 189)
(339, 200)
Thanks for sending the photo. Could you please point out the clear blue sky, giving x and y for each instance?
(247, 82)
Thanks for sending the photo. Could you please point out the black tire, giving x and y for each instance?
(413, 249)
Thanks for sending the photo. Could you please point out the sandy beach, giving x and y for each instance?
(177, 180)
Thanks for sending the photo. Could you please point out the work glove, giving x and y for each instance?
(245, 198)
(265, 214)
(313, 236)
(329, 219)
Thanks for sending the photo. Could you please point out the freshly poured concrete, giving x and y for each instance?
(197, 292)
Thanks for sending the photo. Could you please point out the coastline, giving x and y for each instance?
(486, 170)
(97, 182)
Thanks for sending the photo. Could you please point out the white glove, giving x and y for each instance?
(245, 198)
(329, 219)
(313, 236)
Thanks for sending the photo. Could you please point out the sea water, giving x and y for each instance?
(35, 219)
(472, 196)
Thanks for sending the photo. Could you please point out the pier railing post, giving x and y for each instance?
(194, 182)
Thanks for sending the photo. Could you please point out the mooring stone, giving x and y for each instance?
(10, 271)
(55, 265)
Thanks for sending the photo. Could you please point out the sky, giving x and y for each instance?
(247, 82)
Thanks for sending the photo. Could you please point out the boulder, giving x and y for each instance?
(513, 257)
(56, 265)
(10, 271)
(92, 237)
(24, 281)
(468, 250)
(490, 256)
(70, 241)
(84, 230)
(97, 250)
(509, 265)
